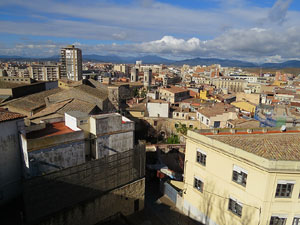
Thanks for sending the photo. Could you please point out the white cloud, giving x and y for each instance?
(236, 29)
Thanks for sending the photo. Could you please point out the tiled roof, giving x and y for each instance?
(6, 115)
(216, 109)
(175, 89)
(273, 146)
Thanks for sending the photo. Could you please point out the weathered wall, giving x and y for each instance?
(113, 143)
(52, 193)
(46, 160)
(10, 160)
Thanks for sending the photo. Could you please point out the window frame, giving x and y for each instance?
(284, 189)
(200, 186)
(235, 207)
(296, 219)
(278, 220)
(201, 157)
(240, 174)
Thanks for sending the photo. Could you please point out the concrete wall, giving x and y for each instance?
(55, 158)
(156, 109)
(10, 160)
(47, 154)
(111, 144)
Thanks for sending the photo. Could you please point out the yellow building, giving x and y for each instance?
(245, 106)
(249, 176)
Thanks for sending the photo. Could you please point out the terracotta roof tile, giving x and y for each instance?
(5, 115)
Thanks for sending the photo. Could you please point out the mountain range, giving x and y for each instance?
(153, 59)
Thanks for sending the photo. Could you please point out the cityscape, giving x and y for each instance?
(130, 120)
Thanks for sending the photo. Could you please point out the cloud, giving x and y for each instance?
(279, 10)
(235, 29)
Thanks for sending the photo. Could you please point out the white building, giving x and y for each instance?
(158, 108)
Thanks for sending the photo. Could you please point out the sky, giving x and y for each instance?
(250, 30)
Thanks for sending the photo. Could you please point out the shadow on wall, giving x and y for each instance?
(71, 204)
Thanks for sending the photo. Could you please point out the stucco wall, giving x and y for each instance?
(257, 197)
(158, 109)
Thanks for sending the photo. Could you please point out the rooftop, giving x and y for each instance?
(269, 143)
(216, 109)
(52, 129)
(5, 115)
(175, 89)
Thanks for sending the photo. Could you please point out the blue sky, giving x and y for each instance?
(259, 31)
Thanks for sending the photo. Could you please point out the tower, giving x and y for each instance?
(134, 74)
(71, 63)
(147, 77)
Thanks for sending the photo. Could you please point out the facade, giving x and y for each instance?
(173, 94)
(44, 72)
(230, 84)
(71, 63)
(245, 176)
(158, 108)
(10, 157)
(217, 115)
(147, 77)
(134, 74)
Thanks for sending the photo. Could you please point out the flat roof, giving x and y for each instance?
(51, 129)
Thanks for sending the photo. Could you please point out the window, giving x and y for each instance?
(296, 221)
(155, 123)
(276, 220)
(239, 175)
(191, 126)
(202, 118)
(235, 207)
(284, 189)
(198, 184)
(207, 121)
(201, 157)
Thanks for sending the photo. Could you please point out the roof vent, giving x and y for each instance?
(283, 128)
(249, 131)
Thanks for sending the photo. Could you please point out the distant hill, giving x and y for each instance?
(287, 64)
(153, 59)
(210, 61)
(148, 59)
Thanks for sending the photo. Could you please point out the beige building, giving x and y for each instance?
(173, 94)
(216, 115)
(244, 176)
(231, 84)
(44, 72)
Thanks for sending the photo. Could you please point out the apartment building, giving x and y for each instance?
(231, 84)
(71, 63)
(244, 176)
(44, 72)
